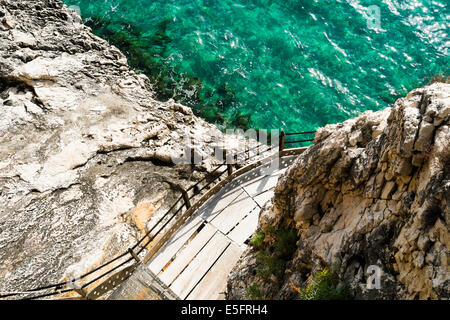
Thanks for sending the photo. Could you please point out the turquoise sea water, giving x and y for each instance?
(270, 64)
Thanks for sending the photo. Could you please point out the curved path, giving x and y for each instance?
(196, 260)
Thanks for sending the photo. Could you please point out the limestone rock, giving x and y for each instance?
(384, 201)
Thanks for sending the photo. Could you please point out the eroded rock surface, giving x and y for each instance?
(84, 147)
(374, 190)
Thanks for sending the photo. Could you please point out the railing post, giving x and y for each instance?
(134, 255)
(81, 292)
(187, 202)
(282, 140)
(225, 155)
(230, 169)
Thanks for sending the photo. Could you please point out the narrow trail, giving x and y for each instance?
(195, 262)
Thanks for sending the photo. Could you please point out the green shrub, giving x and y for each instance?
(272, 260)
(325, 286)
(253, 292)
(285, 243)
(269, 265)
(258, 240)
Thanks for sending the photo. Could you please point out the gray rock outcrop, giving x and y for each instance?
(84, 147)
(372, 191)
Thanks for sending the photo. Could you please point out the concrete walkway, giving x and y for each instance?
(195, 262)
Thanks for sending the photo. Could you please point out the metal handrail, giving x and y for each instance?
(298, 141)
(299, 133)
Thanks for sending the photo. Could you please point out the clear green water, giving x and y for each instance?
(270, 64)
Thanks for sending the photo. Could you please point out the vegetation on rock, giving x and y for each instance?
(326, 285)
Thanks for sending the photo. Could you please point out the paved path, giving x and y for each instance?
(195, 262)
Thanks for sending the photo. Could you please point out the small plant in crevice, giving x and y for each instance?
(326, 285)
(254, 292)
(269, 265)
(329, 227)
(258, 240)
(285, 243)
(271, 259)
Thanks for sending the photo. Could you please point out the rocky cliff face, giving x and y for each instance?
(84, 147)
(373, 192)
